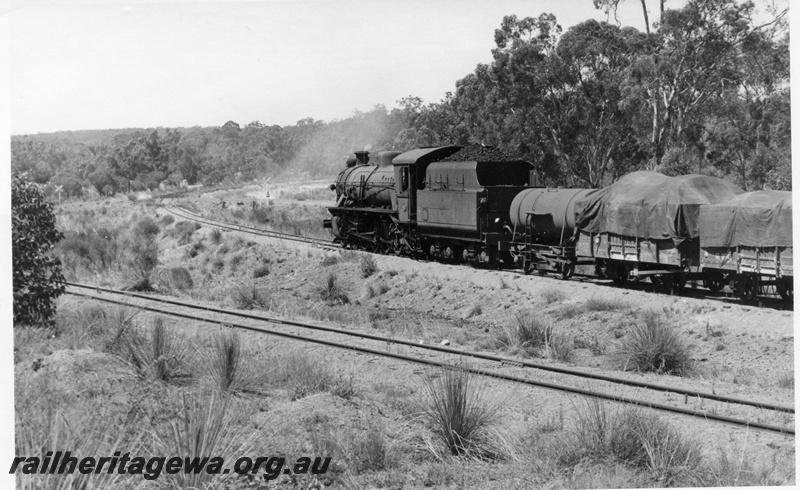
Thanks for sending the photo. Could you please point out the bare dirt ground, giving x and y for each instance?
(737, 350)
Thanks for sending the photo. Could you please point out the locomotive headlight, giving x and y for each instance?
(497, 220)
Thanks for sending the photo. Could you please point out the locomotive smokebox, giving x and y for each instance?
(362, 157)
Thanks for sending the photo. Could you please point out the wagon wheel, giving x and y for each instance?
(662, 284)
(600, 271)
(679, 281)
(714, 282)
(786, 288)
(527, 266)
(618, 273)
(567, 269)
(747, 287)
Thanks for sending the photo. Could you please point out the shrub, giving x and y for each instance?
(332, 291)
(368, 266)
(142, 261)
(260, 271)
(174, 278)
(36, 272)
(329, 260)
(260, 215)
(147, 228)
(167, 219)
(216, 236)
(653, 344)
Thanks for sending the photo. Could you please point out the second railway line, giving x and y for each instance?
(709, 406)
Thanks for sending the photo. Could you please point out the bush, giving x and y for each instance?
(654, 345)
(260, 271)
(147, 228)
(260, 215)
(216, 236)
(142, 260)
(37, 278)
(167, 219)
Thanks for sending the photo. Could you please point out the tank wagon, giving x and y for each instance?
(480, 207)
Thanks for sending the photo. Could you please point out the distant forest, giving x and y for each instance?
(706, 90)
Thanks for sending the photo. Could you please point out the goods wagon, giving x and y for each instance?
(746, 242)
(647, 225)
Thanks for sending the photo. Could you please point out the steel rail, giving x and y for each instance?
(476, 355)
(481, 372)
(182, 213)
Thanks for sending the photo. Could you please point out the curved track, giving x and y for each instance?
(706, 414)
(765, 301)
(186, 214)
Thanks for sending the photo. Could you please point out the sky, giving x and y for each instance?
(112, 64)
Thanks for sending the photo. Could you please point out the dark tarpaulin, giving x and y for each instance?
(753, 219)
(651, 205)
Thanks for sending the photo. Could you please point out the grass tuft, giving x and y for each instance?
(605, 304)
(250, 298)
(460, 414)
(332, 291)
(160, 355)
(225, 361)
(654, 345)
(368, 266)
(553, 295)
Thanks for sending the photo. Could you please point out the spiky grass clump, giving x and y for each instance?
(142, 261)
(654, 345)
(303, 375)
(605, 304)
(368, 266)
(634, 438)
(553, 295)
(55, 432)
(527, 333)
(160, 355)
(250, 298)
(260, 271)
(207, 428)
(225, 361)
(216, 236)
(332, 291)
(462, 417)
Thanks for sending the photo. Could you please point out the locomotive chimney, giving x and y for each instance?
(362, 157)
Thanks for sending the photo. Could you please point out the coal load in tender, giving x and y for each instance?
(479, 153)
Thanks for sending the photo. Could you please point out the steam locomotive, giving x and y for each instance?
(477, 205)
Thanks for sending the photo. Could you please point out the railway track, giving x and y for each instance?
(181, 309)
(769, 301)
(190, 215)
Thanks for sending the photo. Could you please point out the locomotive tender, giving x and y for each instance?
(478, 206)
